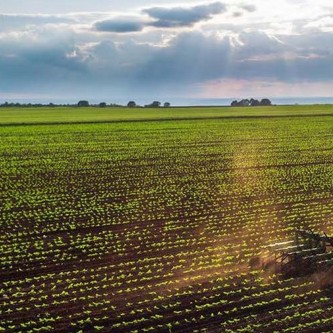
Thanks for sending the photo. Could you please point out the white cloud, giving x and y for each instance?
(324, 24)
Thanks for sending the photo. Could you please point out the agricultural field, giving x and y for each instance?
(112, 222)
(61, 115)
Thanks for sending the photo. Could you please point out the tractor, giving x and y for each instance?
(309, 252)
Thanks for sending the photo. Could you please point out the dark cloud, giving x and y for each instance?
(191, 57)
(162, 17)
(53, 64)
(259, 43)
(288, 58)
(39, 65)
(285, 70)
(119, 25)
(182, 16)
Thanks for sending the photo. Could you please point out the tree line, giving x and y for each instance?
(252, 102)
(85, 103)
(133, 104)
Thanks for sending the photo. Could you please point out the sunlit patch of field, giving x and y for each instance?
(161, 226)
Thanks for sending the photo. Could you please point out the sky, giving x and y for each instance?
(156, 49)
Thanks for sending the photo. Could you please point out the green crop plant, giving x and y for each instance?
(144, 226)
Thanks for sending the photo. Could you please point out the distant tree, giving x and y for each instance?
(167, 104)
(244, 102)
(102, 105)
(156, 104)
(114, 105)
(131, 104)
(83, 103)
(254, 102)
(265, 102)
